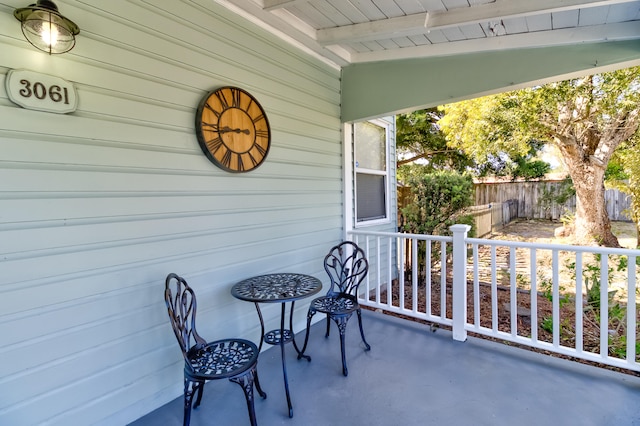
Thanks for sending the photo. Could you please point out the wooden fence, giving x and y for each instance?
(497, 204)
(490, 217)
(530, 198)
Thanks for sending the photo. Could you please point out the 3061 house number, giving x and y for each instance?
(41, 92)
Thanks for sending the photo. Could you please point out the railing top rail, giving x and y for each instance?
(559, 247)
(403, 235)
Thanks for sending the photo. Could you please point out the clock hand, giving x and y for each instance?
(227, 129)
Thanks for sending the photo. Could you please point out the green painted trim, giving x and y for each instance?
(383, 88)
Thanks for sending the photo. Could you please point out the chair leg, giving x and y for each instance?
(328, 328)
(246, 383)
(257, 383)
(199, 390)
(190, 387)
(359, 312)
(341, 321)
(310, 315)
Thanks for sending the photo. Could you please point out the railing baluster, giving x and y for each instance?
(579, 305)
(401, 302)
(631, 310)
(367, 280)
(513, 293)
(556, 298)
(427, 267)
(494, 291)
(400, 264)
(476, 288)
(443, 279)
(533, 264)
(414, 287)
(604, 305)
(377, 269)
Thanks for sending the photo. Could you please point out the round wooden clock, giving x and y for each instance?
(233, 130)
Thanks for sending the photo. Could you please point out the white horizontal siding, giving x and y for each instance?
(98, 206)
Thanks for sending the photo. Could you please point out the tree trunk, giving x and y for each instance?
(586, 151)
(592, 224)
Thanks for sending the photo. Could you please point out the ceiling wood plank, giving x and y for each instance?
(414, 24)
(270, 5)
(366, 31)
(615, 32)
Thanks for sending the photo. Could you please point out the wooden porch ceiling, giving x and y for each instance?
(344, 32)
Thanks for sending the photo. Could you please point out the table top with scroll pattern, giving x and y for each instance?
(276, 287)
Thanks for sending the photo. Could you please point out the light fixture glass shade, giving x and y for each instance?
(46, 29)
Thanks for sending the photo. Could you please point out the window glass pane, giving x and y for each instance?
(370, 141)
(371, 197)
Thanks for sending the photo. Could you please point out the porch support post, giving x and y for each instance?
(459, 281)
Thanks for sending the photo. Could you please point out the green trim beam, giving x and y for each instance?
(378, 89)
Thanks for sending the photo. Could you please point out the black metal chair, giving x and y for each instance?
(233, 359)
(347, 266)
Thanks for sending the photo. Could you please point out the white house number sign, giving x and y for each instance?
(41, 92)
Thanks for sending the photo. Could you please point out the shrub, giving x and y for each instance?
(438, 200)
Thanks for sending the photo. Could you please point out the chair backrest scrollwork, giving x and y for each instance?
(181, 307)
(347, 266)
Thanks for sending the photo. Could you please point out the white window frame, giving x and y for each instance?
(386, 173)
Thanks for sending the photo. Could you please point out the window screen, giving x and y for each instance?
(371, 203)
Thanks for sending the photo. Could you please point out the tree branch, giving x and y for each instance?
(423, 155)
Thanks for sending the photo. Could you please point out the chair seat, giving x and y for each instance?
(222, 358)
(338, 304)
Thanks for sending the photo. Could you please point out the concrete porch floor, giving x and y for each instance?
(413, 376)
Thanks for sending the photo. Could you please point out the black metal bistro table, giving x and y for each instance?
(278, 288)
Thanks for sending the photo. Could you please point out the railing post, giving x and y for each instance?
(459, 281)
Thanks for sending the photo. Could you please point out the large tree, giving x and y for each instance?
(586, 118)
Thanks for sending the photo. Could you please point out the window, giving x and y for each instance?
(371, 171)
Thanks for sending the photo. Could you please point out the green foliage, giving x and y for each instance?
(438, 201)
(547, 324)
(615, 170)
(418, 129)
(556, 113)
(618, 347)
(529, 170)
(515, 165)
(592, 278)
(546, 286)
(625, 176)
(418, 136)
(510, 122)
(485, 128)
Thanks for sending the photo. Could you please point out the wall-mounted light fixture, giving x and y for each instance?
(45, 28)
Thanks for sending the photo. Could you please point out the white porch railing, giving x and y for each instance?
(470, 284)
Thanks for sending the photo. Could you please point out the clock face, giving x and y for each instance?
(233, 130)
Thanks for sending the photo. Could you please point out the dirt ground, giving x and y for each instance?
(541, 232)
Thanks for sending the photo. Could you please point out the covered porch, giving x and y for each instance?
(100, 204)
(414, 376)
